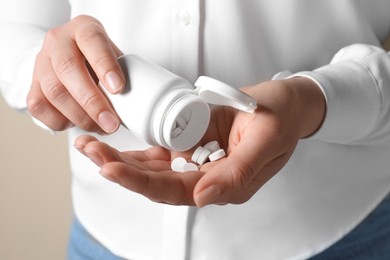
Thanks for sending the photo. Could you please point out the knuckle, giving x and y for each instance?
(39, 109)
(35, 105)
(52, 37)
(89, 101)
(90, 33)
(102, 63)
(51, 34)
(40, 56)
(54, 90)
(65, 64)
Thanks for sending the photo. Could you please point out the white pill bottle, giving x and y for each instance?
(166, 110)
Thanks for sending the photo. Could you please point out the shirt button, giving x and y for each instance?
(184, 17)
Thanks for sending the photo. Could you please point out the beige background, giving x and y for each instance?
(35, 207)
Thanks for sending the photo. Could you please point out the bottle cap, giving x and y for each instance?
(185, 114)
(219, 93)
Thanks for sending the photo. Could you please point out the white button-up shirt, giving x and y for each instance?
(334, 178)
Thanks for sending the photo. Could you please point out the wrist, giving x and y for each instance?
(310, 103)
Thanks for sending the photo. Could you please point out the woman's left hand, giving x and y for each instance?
(257, 145)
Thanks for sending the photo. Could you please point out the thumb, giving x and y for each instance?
(228, 180)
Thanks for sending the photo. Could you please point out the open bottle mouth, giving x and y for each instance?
(193, 129)
(181, 120)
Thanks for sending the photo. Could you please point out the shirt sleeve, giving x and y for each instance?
(23, 25)
(356, 85)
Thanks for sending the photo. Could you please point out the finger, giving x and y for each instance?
(230, 178)
(156, 158)
(163, 187)
(70, 68)
(61, 99)
(101, 53)
(81, 141)
(101, 153)
(153, 153)
(41, 109)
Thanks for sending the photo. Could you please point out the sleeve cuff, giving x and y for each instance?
(352, 96)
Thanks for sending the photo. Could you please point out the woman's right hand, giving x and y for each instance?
(64, 91)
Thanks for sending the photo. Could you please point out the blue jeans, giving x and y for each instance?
(82, 246)
(368, 241)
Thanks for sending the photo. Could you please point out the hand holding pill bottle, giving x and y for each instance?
(164, 109)
(237, 154)
(63, 92)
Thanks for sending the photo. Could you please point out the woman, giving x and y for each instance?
(304, 170)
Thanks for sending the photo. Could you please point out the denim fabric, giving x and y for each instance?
(368, 241)
(83, 246)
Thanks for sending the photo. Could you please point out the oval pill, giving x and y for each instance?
(196, 154)
(203, 156)
(217, 155)
(212, 146)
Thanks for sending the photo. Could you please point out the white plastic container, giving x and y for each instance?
(166, 110)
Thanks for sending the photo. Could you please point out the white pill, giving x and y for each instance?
(217, 155)
(178, 163)
(176, 132)
(204, 156)
(181, 122)
(196, 154)
(212, 146)
(189, 167)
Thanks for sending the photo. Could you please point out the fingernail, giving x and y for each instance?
(208, 195)
(114, 82)
(79, 147)
(108, 122)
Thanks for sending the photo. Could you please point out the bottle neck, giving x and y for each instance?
(181, 120)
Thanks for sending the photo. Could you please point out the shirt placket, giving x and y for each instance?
(186, 23)
(175, 229)
(185, 62)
